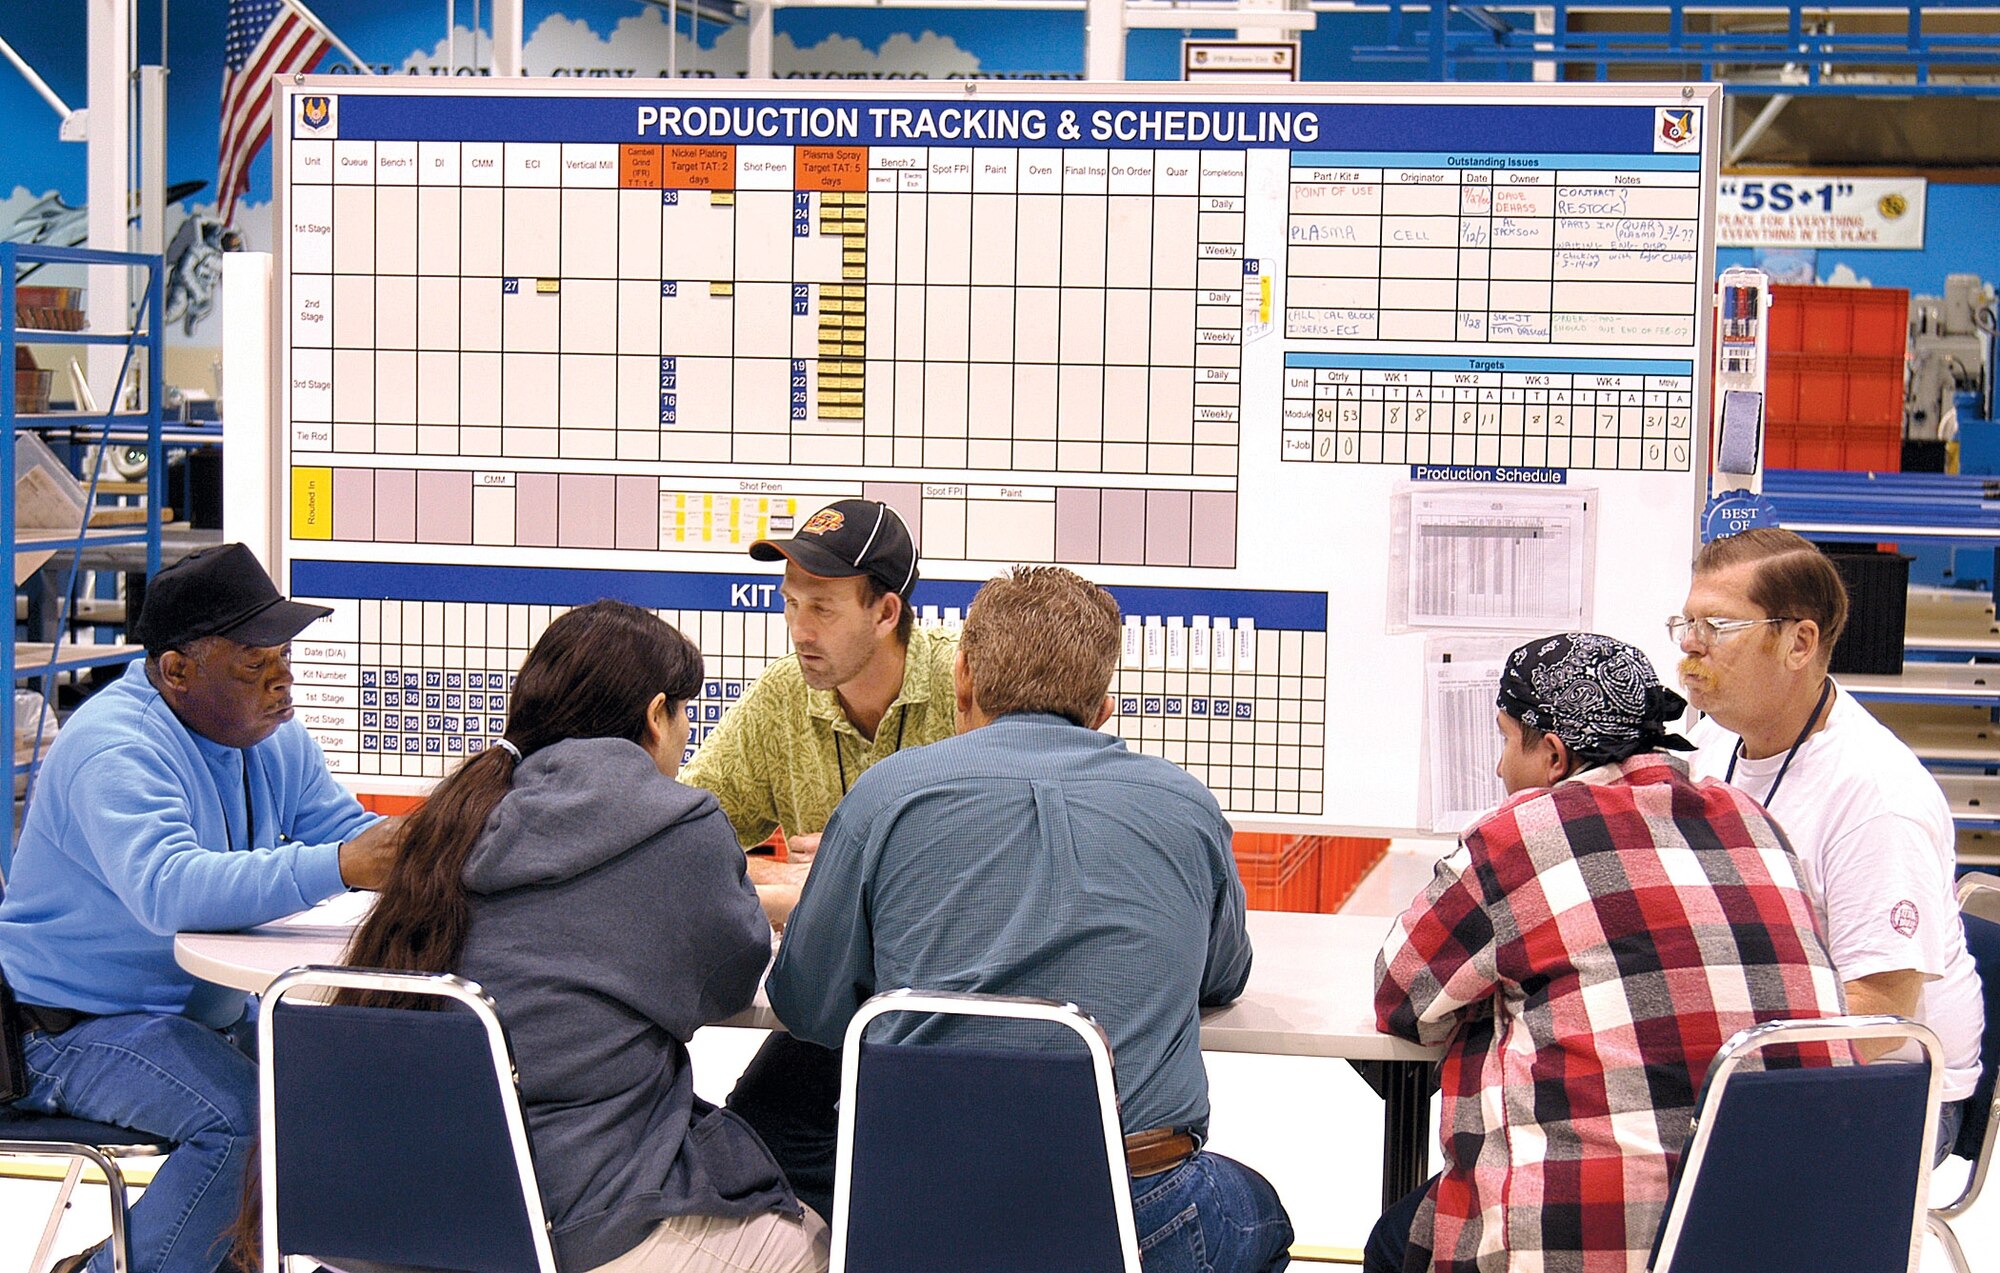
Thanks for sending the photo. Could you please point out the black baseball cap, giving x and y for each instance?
(850, 539)
(220, 591)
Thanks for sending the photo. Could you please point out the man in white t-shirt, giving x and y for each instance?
(1869, 823)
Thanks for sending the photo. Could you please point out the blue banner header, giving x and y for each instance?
(685, 590)
(1465, 131)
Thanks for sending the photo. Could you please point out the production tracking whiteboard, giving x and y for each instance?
(1337, 388)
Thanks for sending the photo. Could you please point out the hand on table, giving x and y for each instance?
(800, 848)
(778, 885)
(365, 860)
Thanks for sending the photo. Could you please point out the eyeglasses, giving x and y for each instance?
(1708, 631)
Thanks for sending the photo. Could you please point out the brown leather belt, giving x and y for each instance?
(1148, 1153)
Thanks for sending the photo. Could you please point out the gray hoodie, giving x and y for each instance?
(611, 919)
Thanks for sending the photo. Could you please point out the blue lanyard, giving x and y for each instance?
(1825, 691)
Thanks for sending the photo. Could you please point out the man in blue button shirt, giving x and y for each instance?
(1035, 855)
(183, 796)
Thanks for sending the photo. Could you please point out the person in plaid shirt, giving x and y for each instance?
(1585, 953)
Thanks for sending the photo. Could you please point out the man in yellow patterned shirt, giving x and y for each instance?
(862, 682)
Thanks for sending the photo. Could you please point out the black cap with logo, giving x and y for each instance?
(847, 540)
(221, 591)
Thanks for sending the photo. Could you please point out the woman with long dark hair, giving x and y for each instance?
(604, 907)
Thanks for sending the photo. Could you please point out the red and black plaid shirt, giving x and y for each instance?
(1586, 952)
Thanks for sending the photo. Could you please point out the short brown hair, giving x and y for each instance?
(1793, 580)
(873, 590)
(1042, 639)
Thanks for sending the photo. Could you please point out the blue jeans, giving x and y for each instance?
(1210, 1215)
(1388, 1249)
(1950, 1116)
(176, 1079)
(790, 1096)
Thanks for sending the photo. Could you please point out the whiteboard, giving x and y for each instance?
(1306, 375)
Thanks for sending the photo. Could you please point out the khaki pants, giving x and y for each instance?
(768, 1243)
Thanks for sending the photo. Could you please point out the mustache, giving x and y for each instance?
(1691, 666)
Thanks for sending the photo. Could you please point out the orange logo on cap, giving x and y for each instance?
(824, 522)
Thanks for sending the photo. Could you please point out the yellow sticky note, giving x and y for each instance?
(312, 503)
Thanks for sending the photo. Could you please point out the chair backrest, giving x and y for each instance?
(980, 1159)
(1976, 1134)
(394, 1134)
(1821, 1170)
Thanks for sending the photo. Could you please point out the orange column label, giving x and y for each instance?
(699, 168)
(831, 168)
(639, 167)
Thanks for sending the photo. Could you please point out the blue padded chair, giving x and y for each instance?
(980, 1159)
(1822, 1170)
(391, 1134)
(83, 1143)
(1982, 1109)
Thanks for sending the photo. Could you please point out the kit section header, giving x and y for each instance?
(687, 590)
(1466, 131)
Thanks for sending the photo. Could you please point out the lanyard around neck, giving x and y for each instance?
(840, 758)
(1825, 691)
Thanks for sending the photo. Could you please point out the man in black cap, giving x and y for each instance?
(862, 683)
(183, 796)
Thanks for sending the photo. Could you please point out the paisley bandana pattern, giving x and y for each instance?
(1600, 696)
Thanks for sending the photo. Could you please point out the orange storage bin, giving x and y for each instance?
(1867, 322)
(1832, 446)
(1343, 862)
(1808, 389)
(1279, 872)
(390, 806)
(1834, 413)
(1313, 873)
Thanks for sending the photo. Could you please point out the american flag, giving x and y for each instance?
(266, 38)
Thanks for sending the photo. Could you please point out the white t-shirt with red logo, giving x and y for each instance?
(1875, 836)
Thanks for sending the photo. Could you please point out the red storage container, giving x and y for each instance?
(1868, 322)
(1343, 862)
(1808, 389)
(1832, 446)
(1279, 872)
(1302, 872)
(1826, 412)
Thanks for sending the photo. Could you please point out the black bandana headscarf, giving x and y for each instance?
(1600, 696)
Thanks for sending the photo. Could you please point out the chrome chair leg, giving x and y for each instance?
(1949, 1241)
(48, 1242)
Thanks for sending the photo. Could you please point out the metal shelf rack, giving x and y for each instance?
(142, 346)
